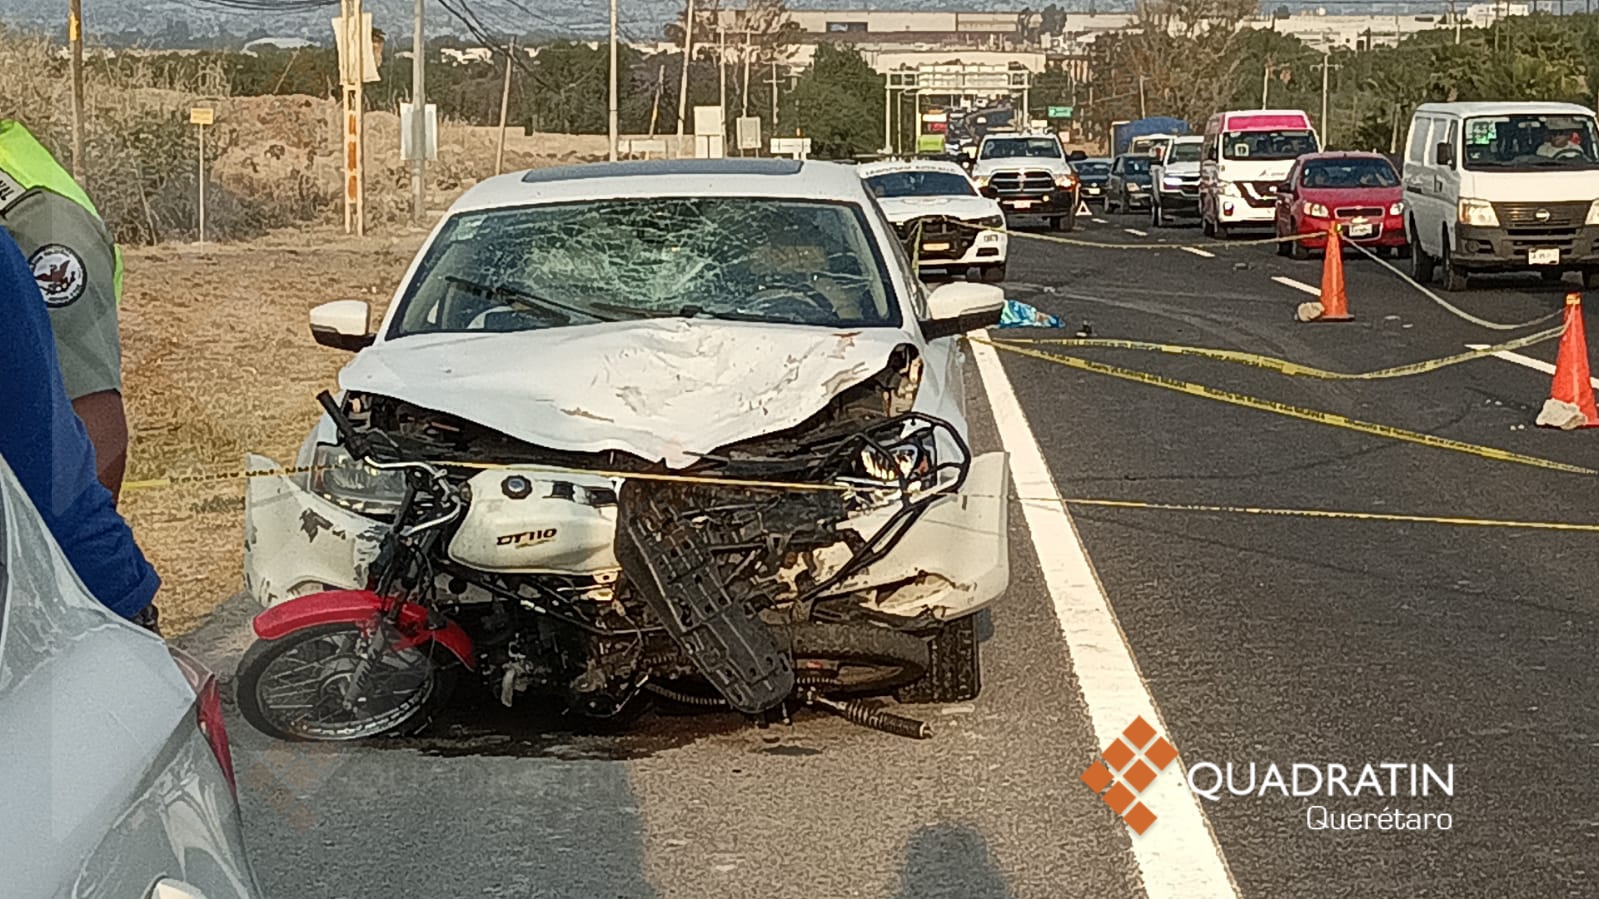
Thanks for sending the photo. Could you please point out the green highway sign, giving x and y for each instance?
(1060, 112)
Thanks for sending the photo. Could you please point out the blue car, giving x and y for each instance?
(1092, 175)
(1128, 188)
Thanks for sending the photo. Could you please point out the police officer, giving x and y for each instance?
(78, 268)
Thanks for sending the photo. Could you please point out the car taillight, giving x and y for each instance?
(208, 716)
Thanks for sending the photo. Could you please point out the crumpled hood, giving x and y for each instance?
(662, 389)
(901, 209)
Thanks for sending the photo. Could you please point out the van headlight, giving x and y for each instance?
(1593, 214)
(1479, 213)
(340, 479)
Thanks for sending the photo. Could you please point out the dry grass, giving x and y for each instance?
(218, 361)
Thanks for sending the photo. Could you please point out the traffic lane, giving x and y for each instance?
(1288, 640)
(990, 807)
(1487, 401)
(514, 803)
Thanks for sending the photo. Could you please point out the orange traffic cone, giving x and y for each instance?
(1334, 302)
(1570, 404)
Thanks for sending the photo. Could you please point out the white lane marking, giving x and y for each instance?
(1203, 254)
(1136, 233)
(1099, 221)
(1297, 285)
(1547, 368)
(1178, 858)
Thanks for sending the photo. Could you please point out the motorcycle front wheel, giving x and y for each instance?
(335, 682)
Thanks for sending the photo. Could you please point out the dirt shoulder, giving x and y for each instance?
(217, 362)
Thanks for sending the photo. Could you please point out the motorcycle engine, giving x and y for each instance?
(528, 520)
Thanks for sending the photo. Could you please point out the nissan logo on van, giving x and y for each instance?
(1541, 215)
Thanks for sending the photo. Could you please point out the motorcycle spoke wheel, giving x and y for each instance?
(328, 684)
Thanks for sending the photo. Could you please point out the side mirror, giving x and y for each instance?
(1444, 154)
(343, 325)
(961, 306)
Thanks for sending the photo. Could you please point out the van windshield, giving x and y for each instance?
(1267, 144)
(1529, 142)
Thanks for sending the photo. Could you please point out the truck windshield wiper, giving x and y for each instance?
(521, 296)
(689, 311)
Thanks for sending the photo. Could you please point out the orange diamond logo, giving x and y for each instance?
(1138, 756)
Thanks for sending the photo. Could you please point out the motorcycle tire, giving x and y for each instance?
(415, 714)
(870, 659)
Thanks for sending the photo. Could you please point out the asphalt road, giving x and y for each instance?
(1263, 639)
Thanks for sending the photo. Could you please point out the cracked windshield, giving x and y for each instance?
(535, 267)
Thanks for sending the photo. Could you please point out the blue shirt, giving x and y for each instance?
(49, 451)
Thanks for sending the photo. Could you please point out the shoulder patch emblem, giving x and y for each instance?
(60, 273)
(10, 191)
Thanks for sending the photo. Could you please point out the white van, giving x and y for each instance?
(1247, 155)
(1502, 187)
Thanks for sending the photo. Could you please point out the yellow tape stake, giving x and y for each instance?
(1335, 514)
(1313, 415)
(1283, 366)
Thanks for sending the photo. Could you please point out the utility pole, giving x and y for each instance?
(612, 117)
(682, 91)
(1143, 111)
(774, 94)
(505, 105)
(655, 110)
(721, 72)
(419, 125)
(1265, 84)
(75, 41)
(747, 56)
(1326, 67)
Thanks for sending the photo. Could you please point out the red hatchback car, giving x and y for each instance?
(1360, 190)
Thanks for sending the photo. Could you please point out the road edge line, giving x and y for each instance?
(1178, 858)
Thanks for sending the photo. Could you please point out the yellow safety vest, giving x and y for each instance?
(31, 165)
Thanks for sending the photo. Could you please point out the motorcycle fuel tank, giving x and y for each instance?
(532, 521)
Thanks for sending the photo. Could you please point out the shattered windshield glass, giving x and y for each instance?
(741, 259)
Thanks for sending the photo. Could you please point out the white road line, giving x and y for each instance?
(1547, 368)
(1297, 285)
(1203, 254)
(1136, 233)
(1178, 857)
(1099, 221)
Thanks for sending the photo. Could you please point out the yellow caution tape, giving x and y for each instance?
(1101, 245)
(1333, 514)
(239, 474)
(1286, 367)
(1313, 415)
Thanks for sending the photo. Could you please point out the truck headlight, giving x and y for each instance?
(1317, 211)
(981, 181)
(1479, 213)
(1593, 214)
(1065, 180)
(992, 222)
(1134, 186)
(1399, 209)
(341, 480)
(1172, 181)
(911, 462)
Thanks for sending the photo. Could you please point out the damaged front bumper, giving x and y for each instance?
(951, 561)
